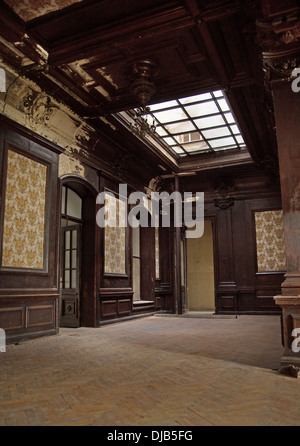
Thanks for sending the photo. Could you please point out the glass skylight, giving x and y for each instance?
(197, 124)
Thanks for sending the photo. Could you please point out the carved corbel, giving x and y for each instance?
(223, 188)
(223, 203)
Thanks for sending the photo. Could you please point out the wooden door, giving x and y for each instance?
(70, 276)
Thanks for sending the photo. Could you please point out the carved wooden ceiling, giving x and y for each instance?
(79, 51)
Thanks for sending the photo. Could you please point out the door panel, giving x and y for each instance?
(70, 276)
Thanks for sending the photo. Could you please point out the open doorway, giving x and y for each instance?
(71, 224)
(78, 256)
(200, 271)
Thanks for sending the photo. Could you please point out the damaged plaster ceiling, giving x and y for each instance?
(31, 9)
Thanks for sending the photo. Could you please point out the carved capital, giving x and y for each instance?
(279, 37)
(281, 64)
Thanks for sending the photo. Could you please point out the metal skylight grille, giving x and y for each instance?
(197, 124)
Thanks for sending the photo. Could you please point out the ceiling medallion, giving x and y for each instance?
(141, 74)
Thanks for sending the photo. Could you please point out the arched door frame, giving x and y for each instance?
(89, 314)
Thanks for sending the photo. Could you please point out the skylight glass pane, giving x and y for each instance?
(218, 93)
(223, 104)
(180, 127)
(188, 137)
(229, 118)
(215, 133)
(198, 97)
(178, 149)
(169, 141)
(176, 114)
(235, 129)
(196, 146)
(163, 105)
(202, 109)
(209, 121)
(240, 139)
(222, 142)
(161, 131)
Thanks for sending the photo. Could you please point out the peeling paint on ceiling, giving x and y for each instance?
(102, 71)
(31, 9)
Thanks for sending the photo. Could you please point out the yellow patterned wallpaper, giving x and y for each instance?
(115, 238)
(270, 246)
(24, 213)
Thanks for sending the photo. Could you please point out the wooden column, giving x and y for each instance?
(287, 113)
(278, 34)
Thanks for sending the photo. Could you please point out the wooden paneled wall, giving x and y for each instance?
(116, 293)
(28, 294)
(239, 286)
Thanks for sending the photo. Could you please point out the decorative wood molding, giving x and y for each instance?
(38, 107)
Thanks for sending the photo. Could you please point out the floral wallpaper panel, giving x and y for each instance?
(115, 237)
(24, 213)
(270, 245)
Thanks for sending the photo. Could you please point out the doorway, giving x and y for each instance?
(71, 254)
(200, 271)
(79, 256)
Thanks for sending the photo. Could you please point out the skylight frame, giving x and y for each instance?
(222, 110)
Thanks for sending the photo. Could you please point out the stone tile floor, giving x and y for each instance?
(152, 371)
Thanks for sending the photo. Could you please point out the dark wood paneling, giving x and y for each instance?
(29, 298)
(12, 317)
(24, 317)
(115, 302)
(227, 303)
(109, 309)
(238, 286)
(124, 307)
